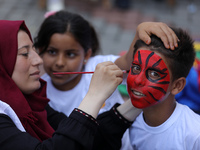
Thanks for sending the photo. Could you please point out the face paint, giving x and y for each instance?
(148, 79)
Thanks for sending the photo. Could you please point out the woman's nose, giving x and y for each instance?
(36, 60)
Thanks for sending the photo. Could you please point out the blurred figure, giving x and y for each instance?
(190, 95)
(55, 5)
(51, 5)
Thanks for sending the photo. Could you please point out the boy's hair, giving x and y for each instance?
(179, 60)
(66, 22)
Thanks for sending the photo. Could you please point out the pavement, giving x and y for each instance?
(115, 27)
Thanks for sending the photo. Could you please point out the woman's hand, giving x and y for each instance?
(106, 78)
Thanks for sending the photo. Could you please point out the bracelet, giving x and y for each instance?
(86, 115)
(121, 117)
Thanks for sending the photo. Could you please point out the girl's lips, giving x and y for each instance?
(57, 75)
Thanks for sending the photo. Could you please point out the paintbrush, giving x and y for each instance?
(90, 72)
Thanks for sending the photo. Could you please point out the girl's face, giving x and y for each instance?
(64, 54)
(148, 79)
(26, 71)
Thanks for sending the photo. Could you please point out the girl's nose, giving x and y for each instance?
(60, 61)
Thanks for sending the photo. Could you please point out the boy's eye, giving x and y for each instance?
(154, 75)
(136, 69)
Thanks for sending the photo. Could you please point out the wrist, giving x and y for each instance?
(128, 111)
(91, 104)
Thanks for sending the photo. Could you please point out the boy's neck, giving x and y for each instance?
(157, 114)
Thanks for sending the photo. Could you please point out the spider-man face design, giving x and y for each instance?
(148, 79)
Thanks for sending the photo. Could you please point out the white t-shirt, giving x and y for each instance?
(179, 132)
(66, 101)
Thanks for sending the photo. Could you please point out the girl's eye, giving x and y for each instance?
(154, 75)
(136, 69)
(51, 52)
(70, 54)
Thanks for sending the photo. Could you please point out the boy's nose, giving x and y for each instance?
(140, 79)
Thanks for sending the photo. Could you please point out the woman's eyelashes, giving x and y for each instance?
(24, 51)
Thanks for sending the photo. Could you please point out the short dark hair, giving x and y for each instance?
(179, 60)
(62, 22)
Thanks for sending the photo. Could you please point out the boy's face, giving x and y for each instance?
(148, 79)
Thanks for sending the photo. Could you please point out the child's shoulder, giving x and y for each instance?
(190, 118)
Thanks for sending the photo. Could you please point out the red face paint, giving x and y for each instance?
(148, 79)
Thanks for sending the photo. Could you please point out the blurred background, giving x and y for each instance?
(114, 20)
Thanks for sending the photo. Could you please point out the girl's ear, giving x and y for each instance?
(87, 55)
(178, 85)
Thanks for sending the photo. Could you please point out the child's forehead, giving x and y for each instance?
(146, 54)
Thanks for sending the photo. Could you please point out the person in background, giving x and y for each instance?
(190, 95)
(68, 43)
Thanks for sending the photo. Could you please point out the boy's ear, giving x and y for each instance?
(178, 85)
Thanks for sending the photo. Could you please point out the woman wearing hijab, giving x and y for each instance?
(26, 120)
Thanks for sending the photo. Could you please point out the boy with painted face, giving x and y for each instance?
(148, 80)
(157, 74)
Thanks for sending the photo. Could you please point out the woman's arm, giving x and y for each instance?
(80, 130)
(75, 133)
(143, 32)
(106, 78)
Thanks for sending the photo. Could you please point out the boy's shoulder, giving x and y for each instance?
(189, 118)
(183, 125)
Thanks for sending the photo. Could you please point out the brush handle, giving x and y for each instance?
(124, 71)
(73, 72)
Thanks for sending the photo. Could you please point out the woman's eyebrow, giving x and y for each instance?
(25, 46)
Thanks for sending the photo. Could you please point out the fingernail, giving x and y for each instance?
(167, 46)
